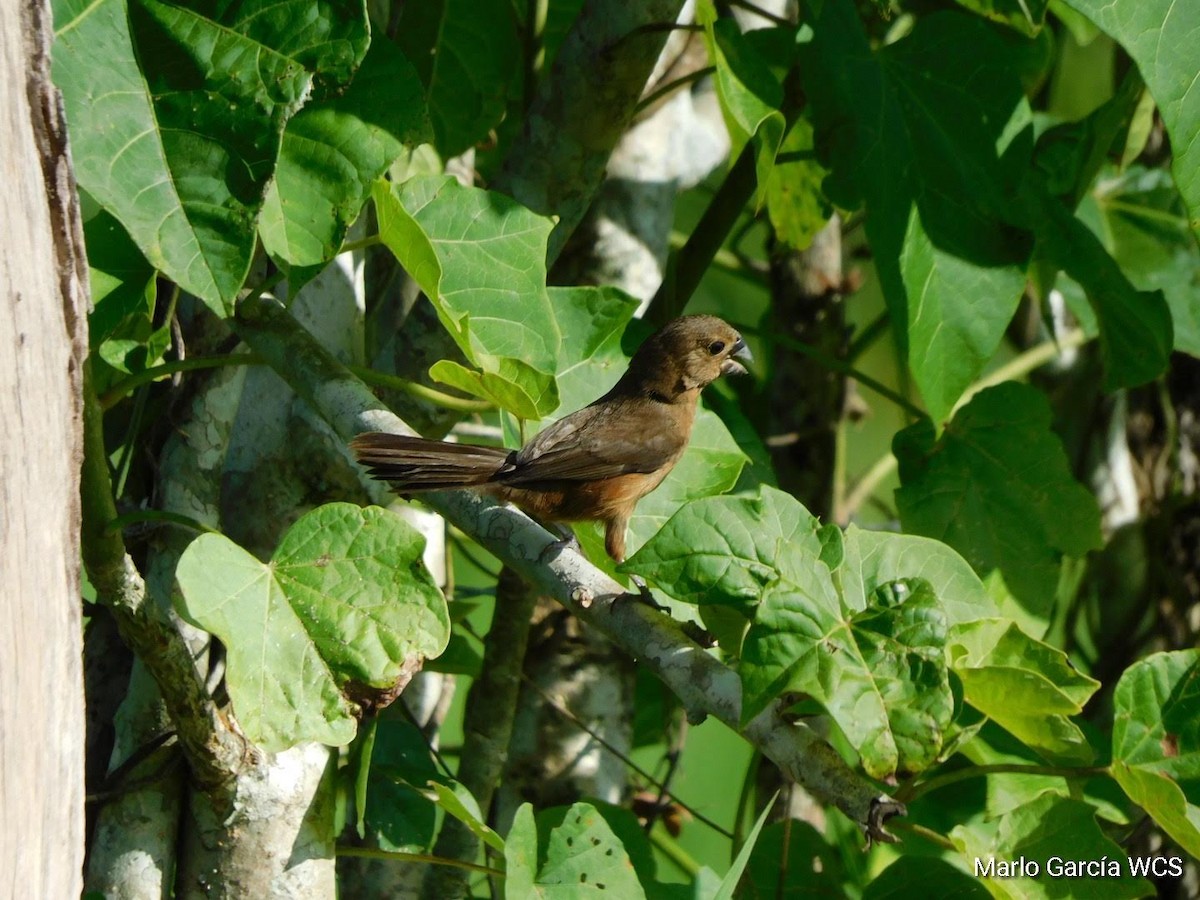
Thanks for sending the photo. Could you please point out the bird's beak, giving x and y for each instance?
(732, 366)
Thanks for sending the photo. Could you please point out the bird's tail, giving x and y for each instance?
(418, 464)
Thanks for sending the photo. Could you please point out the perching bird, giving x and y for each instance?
(596, 463)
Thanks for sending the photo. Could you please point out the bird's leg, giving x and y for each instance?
(614, 543)
(644, 595)
(567, 540)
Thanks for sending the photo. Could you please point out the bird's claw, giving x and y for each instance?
(643, 595)
(567, 540)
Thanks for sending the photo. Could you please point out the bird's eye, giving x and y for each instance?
(716, 347)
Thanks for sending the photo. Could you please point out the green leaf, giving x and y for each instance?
(520, 855)
(795, 203)
(919, 876)
(581, 856)
(1156, 741)
(1141, 220)
(1160, 35)
(730, 882)
(1051, 832)
(480, 257)
(1026, 16)
(176, 118)
(749, 93)
(793, 859)
(725, 549)
(392, 811)
(997, 488)
(875, 558)
(880, 673)
(930, 133)
(123, 289)
(460, 803)
(466, 53)
(334, 150)
(1027, 687)
(1135, 326)
(343, 609)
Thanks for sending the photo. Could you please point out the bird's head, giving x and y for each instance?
(686, 355)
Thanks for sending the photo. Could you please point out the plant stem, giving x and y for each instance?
(397, 856)
(928, 833)
(913, 790)
(361, 244)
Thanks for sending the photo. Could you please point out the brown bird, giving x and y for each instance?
(596, 463)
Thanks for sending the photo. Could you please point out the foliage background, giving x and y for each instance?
(283, 201)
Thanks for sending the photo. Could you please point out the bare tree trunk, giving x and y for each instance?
(42, 340)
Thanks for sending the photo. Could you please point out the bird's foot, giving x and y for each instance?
(567, 540)
(642, 596)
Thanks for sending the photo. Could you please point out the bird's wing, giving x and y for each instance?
(598, 441)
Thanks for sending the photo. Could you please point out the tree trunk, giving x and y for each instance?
(42, 340)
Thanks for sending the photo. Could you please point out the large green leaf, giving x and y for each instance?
(176, 115)
(1029, 688)
(997, 488)
(580, 856)
(874, 558)
(343, 609)
(930, 133)
(921, 876)
(879, 673)
(1161, 36)
(466, 53)
(481, 258)
(725, 549)
(1042, 851)
(1156, 741)
(333, 150)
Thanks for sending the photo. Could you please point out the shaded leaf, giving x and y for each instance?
(343, 609)
(466, 52)
(931, 879)
(1135, 326)
(930, 133)
(997, 488)
(796, 205)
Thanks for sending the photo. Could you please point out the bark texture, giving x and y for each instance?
(43, 278)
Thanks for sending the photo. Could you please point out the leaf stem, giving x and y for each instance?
(421, 391)
(397, 856)
(127, 385)
(670, 848)
(361, 244)
(913, 790)
(920, 830)
(123, 521)
(672, 86)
